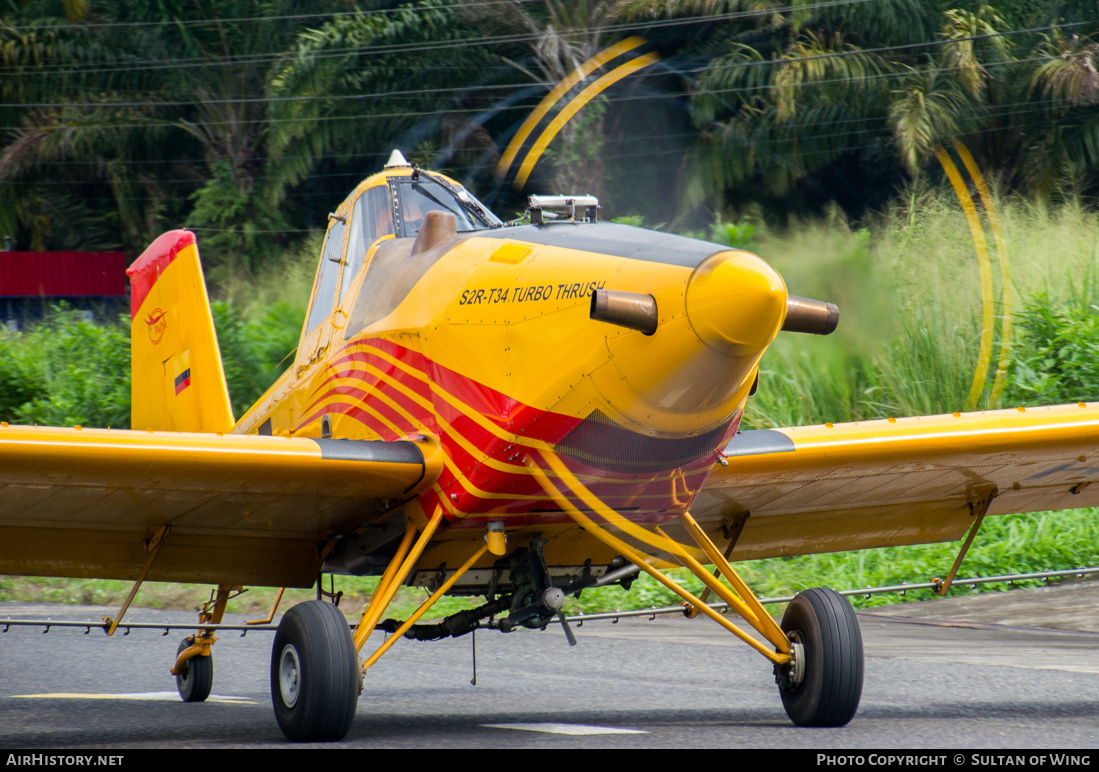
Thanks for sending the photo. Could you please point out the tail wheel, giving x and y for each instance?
(197, 679)
(314, 673)
(824, 685)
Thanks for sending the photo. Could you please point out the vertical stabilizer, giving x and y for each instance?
(178, 382)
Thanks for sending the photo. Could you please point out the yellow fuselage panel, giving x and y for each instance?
(485, 340)
(493, 350)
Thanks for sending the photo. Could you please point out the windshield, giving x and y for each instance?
(422, 194)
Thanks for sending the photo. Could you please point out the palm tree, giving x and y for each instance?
(826, 91)
(164, 102)
(360, 83)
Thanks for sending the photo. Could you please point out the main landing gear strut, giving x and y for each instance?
(816, 651)
(315, 675)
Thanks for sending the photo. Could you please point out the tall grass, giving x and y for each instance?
(1022, 543)
(909, 294)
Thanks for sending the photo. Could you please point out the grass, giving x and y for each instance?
(1021, 543)
(256, 602)
(909, 293)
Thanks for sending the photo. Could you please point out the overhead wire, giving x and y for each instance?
(460, 89)
(422, 92)
(265, 19)
(792, 137)
(267, 57)
(235, 60)
(788, 128)
(359, 175)
(422, 113)
(418, 92)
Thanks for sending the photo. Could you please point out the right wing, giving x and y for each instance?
(830, 488)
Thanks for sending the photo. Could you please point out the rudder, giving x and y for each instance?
(177, 378)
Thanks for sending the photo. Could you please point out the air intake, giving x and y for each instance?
(599, 442)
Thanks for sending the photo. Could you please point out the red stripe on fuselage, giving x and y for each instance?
(644, 498)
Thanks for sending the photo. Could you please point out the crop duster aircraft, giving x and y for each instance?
(514, 411)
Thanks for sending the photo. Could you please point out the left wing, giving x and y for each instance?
(897, 481)
(243, 509)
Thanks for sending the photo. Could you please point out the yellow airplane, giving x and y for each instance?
(515, 411)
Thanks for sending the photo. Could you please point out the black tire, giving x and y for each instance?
(824, 623)
(197, 679)
(314, 673)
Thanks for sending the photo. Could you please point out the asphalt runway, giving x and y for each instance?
(1013, 670)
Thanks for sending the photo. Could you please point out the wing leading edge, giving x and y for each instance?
(905, 481)
(241, 508)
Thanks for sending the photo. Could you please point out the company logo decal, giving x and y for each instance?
(157, 325)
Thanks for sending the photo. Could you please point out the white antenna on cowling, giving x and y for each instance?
(396, 160)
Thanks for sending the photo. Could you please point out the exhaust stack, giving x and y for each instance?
(815, 317)
(626, 309)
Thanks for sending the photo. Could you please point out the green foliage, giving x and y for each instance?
(237, 227)
(1008, 544)
(737, 236)
(241, 360)
(331, 90)
(909, 296)
(1036, 541)
(1056, 355)
(788, 100)
(66, 371)
(577, 153)
(254, 351)
(252, 119)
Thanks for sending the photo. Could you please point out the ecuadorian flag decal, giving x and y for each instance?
(183, 380)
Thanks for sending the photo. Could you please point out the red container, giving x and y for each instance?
(62, 274)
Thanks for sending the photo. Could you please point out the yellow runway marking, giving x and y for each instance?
(148, 696)
(572, 729)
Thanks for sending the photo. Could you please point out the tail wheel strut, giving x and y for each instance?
(195, 680)
(194, 665)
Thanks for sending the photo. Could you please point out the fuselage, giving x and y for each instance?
(482, 338)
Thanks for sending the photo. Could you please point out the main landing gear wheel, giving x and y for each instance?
(197, 678)
(824, 684)
(314, 673)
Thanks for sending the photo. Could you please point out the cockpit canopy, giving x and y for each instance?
(422, 192)
(387, 205)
